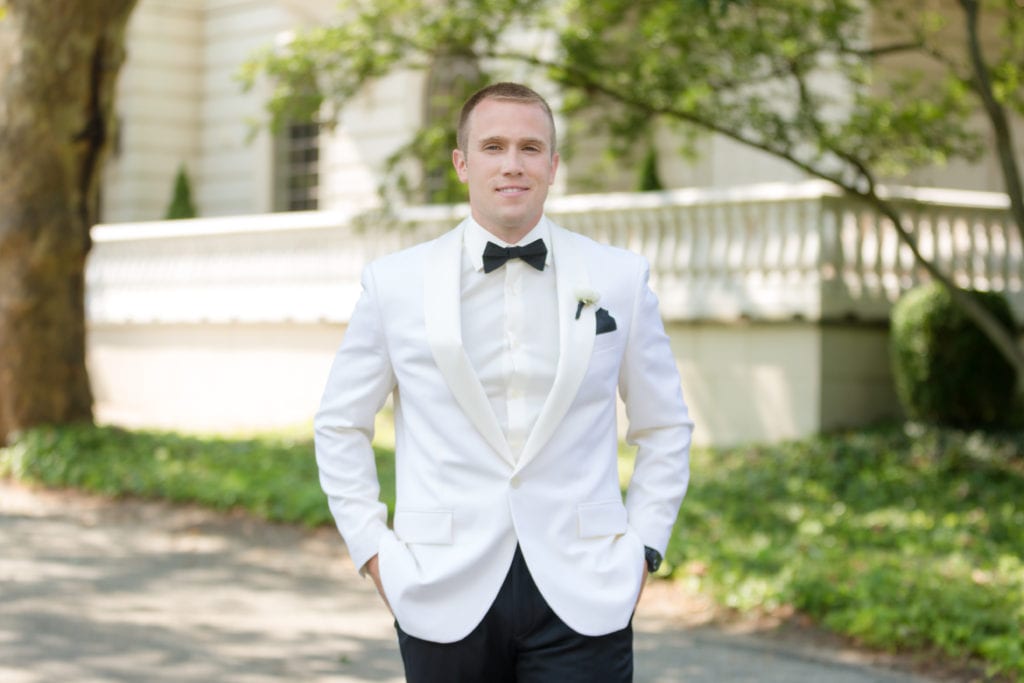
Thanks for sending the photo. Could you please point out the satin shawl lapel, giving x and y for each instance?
(576, 341)
(442, 312)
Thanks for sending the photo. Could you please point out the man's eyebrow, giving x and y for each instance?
(533, 141)
(504, 141)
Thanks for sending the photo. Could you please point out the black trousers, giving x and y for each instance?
(520, 640)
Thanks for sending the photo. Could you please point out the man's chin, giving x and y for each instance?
(501, 222)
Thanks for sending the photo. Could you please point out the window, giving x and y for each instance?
(297, 168)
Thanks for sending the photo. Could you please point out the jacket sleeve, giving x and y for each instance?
(659, 421)
(360, 380)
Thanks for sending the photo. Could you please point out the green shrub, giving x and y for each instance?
(650, 180)
(181, 205)
(946, 370)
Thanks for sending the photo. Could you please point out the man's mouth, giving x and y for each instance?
(511, 190)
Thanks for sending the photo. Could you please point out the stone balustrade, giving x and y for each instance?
(764, 252)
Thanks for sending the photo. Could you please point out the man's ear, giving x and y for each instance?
(459, 162)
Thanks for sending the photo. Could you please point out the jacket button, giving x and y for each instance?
(515, 482)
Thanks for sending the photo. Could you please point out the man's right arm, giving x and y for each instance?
(360, 380)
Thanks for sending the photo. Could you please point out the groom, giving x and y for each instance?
(512, 556)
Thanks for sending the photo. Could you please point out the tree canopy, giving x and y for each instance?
(851, 91)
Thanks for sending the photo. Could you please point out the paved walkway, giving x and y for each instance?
(92, 590)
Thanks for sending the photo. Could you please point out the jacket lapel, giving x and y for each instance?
(576, 341)
(443, 320)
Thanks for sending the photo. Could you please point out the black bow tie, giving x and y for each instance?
(533, 253)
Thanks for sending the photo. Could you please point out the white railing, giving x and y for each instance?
(969, 236)
(765, 252)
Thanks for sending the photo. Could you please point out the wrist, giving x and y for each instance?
(653, 559)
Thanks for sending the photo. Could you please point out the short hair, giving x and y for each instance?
(510, 92)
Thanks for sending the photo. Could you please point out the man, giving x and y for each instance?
(512, 556)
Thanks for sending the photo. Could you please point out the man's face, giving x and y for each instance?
(508, 165)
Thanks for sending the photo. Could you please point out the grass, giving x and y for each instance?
(905, 539)
(272, 476)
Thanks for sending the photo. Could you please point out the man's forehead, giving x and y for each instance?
(483, 126)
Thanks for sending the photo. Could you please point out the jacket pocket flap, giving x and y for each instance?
(417, 526)
(607, 518)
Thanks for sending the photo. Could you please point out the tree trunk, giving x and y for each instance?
(58, 64)
(1004, 147)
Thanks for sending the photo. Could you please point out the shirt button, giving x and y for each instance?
(515, 482)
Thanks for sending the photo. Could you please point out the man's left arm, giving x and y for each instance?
(659, 422)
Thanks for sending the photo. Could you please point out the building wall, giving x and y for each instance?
(373, 127)
(756, 382)
(856, 376)
(180, 103)
(159, 94)
(226, 377)
(235, 172)
(742, 382)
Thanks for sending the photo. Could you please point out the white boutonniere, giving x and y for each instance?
(585, 297)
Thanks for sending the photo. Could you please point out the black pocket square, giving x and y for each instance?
(605, 322)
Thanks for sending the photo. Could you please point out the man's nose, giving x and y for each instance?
(511, 163)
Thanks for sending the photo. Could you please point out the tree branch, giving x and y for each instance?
(1005, 148)
(862, 186)
(990, 325)
(883, 50)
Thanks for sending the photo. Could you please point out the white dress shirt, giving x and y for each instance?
(510, 329)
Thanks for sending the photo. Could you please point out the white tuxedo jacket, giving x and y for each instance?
(463, 500)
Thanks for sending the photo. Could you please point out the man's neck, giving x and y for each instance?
(508, 235)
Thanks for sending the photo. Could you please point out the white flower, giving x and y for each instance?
(585, 297)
